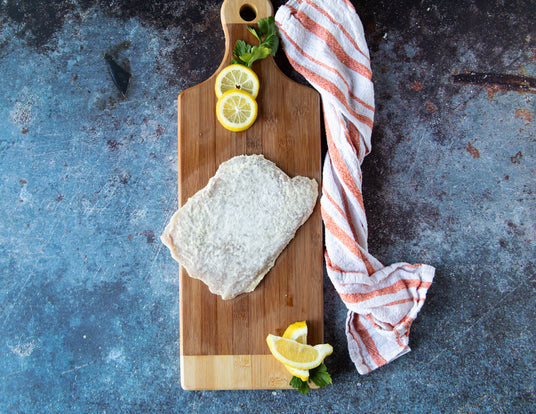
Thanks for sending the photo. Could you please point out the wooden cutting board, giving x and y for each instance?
(223, 343)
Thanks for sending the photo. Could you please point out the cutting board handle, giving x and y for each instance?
(236, 15)
(245, 11)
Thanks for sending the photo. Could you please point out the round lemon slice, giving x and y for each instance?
(236, 110)
(297, 332)
(296, 355)
(237, 76)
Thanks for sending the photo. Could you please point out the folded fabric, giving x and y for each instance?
(325, 42)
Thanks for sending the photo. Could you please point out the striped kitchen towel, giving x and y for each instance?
(325, 42)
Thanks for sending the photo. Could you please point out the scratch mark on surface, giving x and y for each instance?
(160, 245)
(8, 313)
(12, 374)
(458, 339)
(500, 80)
(79, 367)
(416, 152)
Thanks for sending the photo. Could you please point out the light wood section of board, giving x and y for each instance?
(233, 372)
(259, 8)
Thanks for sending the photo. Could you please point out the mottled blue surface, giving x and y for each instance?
(89, 310)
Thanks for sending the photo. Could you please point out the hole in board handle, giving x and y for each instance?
(248, 12)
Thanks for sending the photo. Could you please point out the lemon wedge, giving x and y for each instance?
(296, 355)
(237, 76)
(297, 332)
(236, 110)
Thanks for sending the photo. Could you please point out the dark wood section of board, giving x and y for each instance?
(287, 132)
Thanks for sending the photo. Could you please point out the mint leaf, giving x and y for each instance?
(320, 376)
(275, 44)
(260, 52)
(301, 386)
(268, 28)
(268, 41)
(257, 33)
(241, 48)
(256, 53)
(266, 34)
(267, 25)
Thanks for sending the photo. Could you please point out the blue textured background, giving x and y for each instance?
(89, 308)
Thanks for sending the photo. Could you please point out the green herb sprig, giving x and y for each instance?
(266, 34)
(319, 376)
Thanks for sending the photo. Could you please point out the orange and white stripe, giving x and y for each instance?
(325, 42)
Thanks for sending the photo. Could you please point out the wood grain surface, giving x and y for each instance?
(222, 339)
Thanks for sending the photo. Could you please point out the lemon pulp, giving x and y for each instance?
(296, 355)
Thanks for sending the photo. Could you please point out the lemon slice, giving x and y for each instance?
(237, 77)
(297, 332)
(236, 110)
(296, 355)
